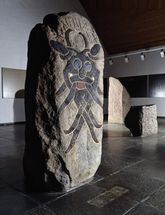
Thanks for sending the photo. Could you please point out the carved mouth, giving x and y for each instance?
(80, 85)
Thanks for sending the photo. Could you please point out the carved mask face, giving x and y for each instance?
(81, 78)
(79, 64)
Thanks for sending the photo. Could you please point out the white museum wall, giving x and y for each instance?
(153, 64)
(17, 18)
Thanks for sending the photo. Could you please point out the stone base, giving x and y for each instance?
(47, 188)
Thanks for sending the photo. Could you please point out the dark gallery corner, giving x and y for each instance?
(82, 107)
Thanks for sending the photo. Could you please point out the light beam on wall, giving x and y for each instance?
(159, 93)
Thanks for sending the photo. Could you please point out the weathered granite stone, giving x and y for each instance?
(63, 103)
(119, 101)
(142, 120)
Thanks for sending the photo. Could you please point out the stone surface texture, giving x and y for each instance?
(63, 101)
(119, 101)
(142, 120)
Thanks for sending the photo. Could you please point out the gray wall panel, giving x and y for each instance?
(13, 81)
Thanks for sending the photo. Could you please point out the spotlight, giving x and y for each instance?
(142, 56)
(110, 62)
(126, 59)
(162, 53)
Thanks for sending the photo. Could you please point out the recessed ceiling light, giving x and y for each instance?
(142, 56)
(110, 62)
(162, 53)
(126, 59)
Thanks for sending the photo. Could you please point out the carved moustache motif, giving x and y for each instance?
(81, 78)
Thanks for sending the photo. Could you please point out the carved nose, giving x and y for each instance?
(82, 73)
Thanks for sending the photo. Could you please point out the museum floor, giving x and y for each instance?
(130, 180)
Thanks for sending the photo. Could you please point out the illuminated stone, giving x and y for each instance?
(119, 102)
(64, 99)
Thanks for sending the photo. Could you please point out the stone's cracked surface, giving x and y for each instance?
(64, 99)
(119, 101)
(142, 120)
(149, 120)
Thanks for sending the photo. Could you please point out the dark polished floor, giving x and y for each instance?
(129, 181)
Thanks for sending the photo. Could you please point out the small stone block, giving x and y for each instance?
(142, 120)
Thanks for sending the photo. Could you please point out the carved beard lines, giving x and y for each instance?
(81, 78)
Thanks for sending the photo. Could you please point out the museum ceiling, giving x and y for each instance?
(125, 25)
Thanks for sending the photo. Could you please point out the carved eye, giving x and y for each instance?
(87, 66)
(77, 63)
(70, 75)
